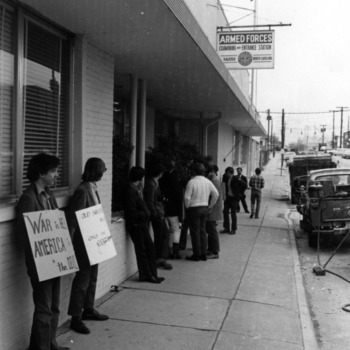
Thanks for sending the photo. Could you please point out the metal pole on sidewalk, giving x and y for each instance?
(282, 143)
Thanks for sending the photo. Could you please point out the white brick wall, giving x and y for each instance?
(15, 291)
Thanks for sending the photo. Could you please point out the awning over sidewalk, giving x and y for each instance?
(161, 42)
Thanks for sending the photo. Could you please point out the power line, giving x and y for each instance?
(324, 112)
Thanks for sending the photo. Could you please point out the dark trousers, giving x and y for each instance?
(46, 297)
(184, 229)
(83, 290)
(197, 217)
(213, 237)
(144, 251)
(244, 203)
(230, 204)
(161, 238)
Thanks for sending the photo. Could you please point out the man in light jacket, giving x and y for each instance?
(200, 198)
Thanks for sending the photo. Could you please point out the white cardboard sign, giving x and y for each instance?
(51, 244)
(96, 235)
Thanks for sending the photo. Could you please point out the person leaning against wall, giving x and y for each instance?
(42, 173)
(82, 298)
(155, 203)
(137, 221)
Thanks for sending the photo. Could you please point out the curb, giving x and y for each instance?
(307, 328)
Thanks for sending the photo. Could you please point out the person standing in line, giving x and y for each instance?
(137, 221)
(185, 223)
(82, 297)
(171, 188)
(243, 184)
(214, 216)
(231, 202)
(200, 197)
(226, 210)
(154, 201)
(42, 173)
(256, 183)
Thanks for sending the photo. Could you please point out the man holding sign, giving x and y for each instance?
(42, 173)
(82, 298)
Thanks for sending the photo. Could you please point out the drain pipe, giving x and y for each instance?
(206, 132)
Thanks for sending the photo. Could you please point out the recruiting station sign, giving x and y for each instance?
(50, 243)
(246, 50)
(96, 235)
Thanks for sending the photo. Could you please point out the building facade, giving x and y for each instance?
(75, 73)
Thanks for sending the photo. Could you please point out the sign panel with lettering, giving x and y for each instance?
(50, 243)
(246, 50)
(96, 235)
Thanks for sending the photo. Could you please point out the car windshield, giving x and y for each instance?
(336, 179)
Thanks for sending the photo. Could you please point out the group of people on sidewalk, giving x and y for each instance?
(158, 203)
(235, 187)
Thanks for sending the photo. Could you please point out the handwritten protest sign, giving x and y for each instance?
(96, 235)
(50, 243)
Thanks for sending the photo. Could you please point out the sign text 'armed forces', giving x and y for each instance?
(246, 50)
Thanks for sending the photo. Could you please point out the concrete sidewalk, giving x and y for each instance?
(252, 297)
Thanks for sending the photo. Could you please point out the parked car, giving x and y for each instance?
(346, 153)
(289, 155)
(325, 204)
(338, 152)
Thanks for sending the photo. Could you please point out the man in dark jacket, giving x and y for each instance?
(137, 219)
(231, 202)
(172, 191)
(243, 184)
(154, 200)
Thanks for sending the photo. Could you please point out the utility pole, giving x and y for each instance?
(323, 129)
(282, 130)
(268, 130)
(333, 141)
(272, 134)
(341, 126)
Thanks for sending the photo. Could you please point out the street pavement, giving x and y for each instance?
(252, 297)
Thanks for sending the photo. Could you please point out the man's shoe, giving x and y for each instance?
(257, 217)
(61, 348)
(203, 257)
(213, 256)
(192, 258)
(160, 279)
(151, 279)
(93, 315)
(233, 232)
(247, 211)
(79, 327)
(224, 231)
(165, 265)
(251, 216)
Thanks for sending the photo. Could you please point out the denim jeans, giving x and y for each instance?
(255, 197)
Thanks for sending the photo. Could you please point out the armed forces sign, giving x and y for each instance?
(246, 50)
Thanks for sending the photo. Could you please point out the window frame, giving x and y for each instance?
(22, 17)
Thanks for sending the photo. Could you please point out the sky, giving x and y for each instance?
(311, 74)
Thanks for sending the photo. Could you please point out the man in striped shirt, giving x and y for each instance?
(256, 184)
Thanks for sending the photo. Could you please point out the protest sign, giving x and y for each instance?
(51, 244)
(96, 235)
